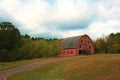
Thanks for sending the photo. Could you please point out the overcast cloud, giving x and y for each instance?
(62, 18)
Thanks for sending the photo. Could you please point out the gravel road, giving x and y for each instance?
(10, 72)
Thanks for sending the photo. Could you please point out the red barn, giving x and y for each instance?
(79, 45)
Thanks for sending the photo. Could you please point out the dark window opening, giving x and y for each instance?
(89, 47)
(80, 46)
(81, 41)
(81, 52)
(67, 52)
(84, 52)
(71, 52)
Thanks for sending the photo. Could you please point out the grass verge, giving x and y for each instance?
(96, 67)
(9, 65)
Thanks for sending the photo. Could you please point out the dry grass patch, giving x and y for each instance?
(92, 67)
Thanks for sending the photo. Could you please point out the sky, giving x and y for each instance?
(62, 18)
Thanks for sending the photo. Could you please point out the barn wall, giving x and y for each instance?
(68, 52)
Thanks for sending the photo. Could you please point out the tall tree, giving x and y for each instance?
(113, 43)
(10, 37)
(100, 45)
(10, 41)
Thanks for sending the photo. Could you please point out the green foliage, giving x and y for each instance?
(10, 37)
(100, 45)
(40, 48)
(108, 44)
(10, 41)
(113, 42)
(14, 47)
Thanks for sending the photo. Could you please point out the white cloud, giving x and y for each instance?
(32, 15)
(10, 7)
(40, 17)
(109, 9)
(71, 11)
(97, 29)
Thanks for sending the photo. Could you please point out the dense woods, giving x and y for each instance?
(108, 44)
(14, 46)
(39, 47)
(10, 42)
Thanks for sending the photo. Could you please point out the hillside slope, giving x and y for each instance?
(93, 67)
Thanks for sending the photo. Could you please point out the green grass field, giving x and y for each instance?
(92, 67)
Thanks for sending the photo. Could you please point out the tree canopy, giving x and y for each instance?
(10, 37)
(108, 44)
(10, 41)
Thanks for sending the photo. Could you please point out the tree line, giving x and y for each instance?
(14, 46)
(108, 44)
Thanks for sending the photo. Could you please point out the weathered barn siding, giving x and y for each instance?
(79, 45)
(68, 52)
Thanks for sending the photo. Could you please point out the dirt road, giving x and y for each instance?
(10, 72)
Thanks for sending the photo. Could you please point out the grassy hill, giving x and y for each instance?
(92, 67)
(9, 65)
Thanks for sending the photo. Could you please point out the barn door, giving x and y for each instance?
(81, 52)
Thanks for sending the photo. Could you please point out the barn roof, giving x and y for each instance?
(70, 42)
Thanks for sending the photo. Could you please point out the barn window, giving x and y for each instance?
(81, 41)
(80, 46)
(71, 52)
(67, 52)
(89, 47)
